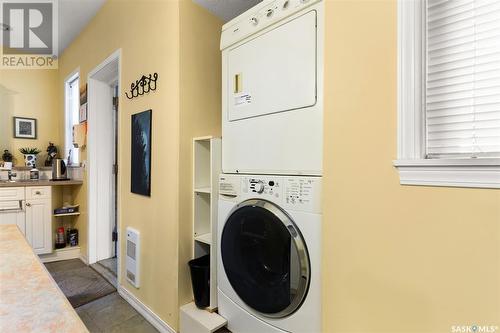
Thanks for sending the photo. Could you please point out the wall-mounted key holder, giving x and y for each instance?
(142, 86)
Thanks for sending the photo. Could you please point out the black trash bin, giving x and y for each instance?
(200, 279)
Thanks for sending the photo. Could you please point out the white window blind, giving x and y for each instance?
(463, 78)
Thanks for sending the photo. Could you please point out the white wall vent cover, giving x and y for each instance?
(133, 255)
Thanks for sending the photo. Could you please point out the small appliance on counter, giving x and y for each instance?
(59, 170)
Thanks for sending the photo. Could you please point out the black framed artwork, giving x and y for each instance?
(24, 128)
(141, 153)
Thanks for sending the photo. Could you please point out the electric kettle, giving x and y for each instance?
(59, 170)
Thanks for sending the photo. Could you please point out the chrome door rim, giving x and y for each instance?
(305, 271)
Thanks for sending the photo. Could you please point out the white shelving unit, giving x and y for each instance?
(206, 170)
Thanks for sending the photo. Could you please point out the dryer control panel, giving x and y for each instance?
(291, 192)
(259, 17)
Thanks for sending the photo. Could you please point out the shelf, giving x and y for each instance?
(205, 238)
(203, 190)
(68, 248)
(66, 253)
(67, 214)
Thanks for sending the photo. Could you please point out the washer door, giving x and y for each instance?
(265, 258)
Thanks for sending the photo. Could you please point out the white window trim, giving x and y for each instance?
(68, 136)
(413, 167)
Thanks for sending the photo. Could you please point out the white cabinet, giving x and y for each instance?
(12, 212)
(30, 209)
(12, 207)
(38, 225)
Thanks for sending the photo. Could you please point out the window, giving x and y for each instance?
(449, 92)
(72, 110)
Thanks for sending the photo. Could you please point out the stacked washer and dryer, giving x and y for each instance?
(270, 214)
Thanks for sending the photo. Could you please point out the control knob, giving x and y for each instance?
(254, 20)
(259, 187)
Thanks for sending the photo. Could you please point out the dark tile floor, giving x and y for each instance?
(112, 313)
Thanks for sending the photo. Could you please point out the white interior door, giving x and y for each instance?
(104, 154)
(274, 72)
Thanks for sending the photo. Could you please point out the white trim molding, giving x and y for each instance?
(93, 138)
(411, 79)
(414, 168)
(480, 173)
(145, 311)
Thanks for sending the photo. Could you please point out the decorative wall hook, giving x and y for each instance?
(142, 86)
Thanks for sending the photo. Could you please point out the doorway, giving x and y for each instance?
(102, 148)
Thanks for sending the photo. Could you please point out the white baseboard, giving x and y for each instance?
(66, 253)
(146, 312)
(84, 259)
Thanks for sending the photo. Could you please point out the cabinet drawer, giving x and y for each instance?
(11, 193)
(38, 192)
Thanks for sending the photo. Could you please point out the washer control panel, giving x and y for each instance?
(259, 17)
(293, 192)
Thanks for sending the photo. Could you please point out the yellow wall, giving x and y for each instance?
(396, 258)
(31, 94)
(148, 34)
(200, 114)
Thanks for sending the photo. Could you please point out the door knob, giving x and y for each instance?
(28, 204)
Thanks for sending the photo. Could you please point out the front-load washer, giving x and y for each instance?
(272, 89)
(269, 253)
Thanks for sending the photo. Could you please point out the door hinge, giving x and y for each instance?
(115, 101)
(114, 236)
(115, 169)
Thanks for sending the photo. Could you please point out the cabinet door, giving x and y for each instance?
(12, 212)
(38, 225)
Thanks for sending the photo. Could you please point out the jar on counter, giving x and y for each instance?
(34, 174)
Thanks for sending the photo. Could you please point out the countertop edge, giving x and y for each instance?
(41, 183)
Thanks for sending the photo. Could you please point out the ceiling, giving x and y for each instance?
(74, 15)
(227, 9)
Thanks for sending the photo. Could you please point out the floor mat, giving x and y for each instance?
(79, 283)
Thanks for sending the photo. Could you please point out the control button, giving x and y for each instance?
(254, 20)
(259, 187)
(269, 12)
(285, 4)
(271, 183)
(304, 1)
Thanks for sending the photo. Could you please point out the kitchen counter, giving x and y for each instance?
(30, 300)
(24, 183)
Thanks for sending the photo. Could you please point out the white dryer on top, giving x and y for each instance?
(272, 91)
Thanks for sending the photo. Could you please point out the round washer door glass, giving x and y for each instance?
(265, 258)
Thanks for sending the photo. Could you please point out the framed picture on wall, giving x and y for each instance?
(24, 128)
(141, 153)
